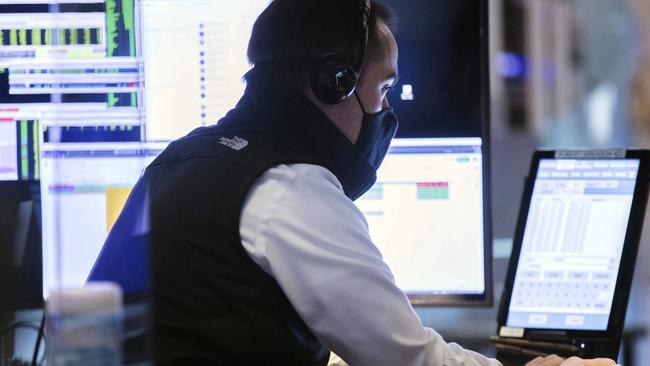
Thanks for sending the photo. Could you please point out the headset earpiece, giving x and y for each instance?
(333, 80)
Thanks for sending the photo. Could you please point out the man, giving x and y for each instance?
(259, 256)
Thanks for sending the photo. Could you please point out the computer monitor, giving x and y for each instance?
(19, 144)
(194, 63)
(78, 56)
(577, 226)
(443, 92)
(427, 214)
(443, 88)
(84, 187)
(71, 87)
(574, 253)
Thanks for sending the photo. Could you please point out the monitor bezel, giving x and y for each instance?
(628, 256)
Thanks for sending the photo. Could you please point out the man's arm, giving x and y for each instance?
(300, 228)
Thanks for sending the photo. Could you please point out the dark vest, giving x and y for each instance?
(211, 304)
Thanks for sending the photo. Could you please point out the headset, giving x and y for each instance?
(334, 77)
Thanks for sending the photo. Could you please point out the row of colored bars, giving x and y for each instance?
(425, 191)
(433, 190)
(50, 37)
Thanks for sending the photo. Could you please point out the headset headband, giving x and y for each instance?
(334, 77)
(357, 63)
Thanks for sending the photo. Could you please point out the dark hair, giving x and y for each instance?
(290, 33)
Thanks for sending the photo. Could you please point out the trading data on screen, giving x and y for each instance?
(425, 214)
(572, 245)
(83, 190)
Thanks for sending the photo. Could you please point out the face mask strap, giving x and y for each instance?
(360, 104)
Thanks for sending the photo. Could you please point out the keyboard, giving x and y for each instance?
(562, 295)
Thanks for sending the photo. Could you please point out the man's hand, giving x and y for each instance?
(576, 361)
(554, 360)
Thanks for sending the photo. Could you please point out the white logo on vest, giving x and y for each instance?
(235, 143)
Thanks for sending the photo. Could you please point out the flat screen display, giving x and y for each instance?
(572, 245)
(442, 68)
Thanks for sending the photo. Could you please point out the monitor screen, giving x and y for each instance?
(573, 240)
(194, 63)
(79, 57)
(8, 149)
(426, 215)
(83, 190)
(19, 144)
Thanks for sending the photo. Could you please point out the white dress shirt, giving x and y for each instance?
(299, 226)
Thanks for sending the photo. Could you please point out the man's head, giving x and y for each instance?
(290, 36)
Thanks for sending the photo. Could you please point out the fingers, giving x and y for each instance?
(600, 362)
(576, 361)
(552, 360)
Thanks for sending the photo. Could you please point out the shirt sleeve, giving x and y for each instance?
(299, 226)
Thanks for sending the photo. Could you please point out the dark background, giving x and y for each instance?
(440, 55)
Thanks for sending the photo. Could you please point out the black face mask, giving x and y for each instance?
(377, 131)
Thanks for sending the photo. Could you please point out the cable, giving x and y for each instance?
(30, 325)
(41, 335)
(18, 324)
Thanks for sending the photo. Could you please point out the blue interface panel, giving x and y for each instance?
(572, 245)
